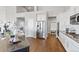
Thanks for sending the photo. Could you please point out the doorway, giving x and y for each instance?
(52, 25)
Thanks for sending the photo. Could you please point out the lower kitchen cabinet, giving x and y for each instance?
(63, 40)
(73, 46)
(68, 43)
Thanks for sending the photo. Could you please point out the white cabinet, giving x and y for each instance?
(64, 40)
(73, 48)
(41, 16)
(69, 44)
(30, 24)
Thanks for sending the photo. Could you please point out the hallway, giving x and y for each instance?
(50, 45)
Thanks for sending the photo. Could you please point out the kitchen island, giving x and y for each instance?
(19, 46)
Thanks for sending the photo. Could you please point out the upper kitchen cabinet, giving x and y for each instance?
(11, 13)
(41, 16)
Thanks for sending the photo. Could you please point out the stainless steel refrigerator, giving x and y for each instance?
(40, 29)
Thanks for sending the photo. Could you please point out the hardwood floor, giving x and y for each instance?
(49, 45)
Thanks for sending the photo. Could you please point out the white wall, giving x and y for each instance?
(2, 15)
(11, 13)
(64, 19)
(7, 13)
(30, 22)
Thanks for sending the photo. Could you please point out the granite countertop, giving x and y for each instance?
(73, 36)
(6, 46)
(14, 47)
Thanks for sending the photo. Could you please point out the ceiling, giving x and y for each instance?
(52, 10)
(25, 8)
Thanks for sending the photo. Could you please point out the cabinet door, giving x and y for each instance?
(72, 47)
(64, 41)
(41, 16)
(62, 38)
(30, 26)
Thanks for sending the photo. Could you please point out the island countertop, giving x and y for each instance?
(6, 46)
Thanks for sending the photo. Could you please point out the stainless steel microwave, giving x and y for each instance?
(74, 19)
